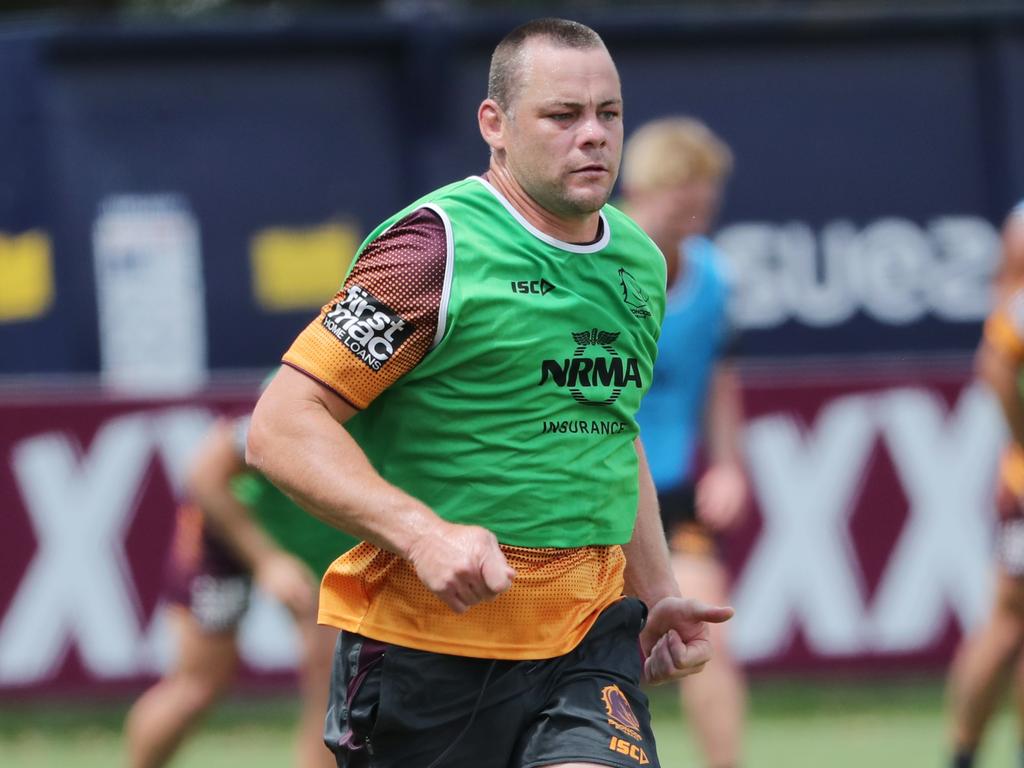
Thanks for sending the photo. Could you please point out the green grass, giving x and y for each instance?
(792, 725)
(891, 724)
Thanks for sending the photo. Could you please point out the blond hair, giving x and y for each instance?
(674, 150)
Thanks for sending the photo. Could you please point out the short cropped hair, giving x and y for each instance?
(505, 76)
(674, 150)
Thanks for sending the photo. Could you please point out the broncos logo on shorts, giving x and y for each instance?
(620, 713)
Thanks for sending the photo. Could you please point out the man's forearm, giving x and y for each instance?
(300, 445)
(209, 479)
(231, 520)
(648, 568)
(725, 416)
(297, 440)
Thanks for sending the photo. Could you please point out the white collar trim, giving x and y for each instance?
(606, 232)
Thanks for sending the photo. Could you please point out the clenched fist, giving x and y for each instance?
(461, 564)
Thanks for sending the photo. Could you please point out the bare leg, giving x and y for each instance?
(314, 681)
(715, 701)
(159, 721)
(983, 664)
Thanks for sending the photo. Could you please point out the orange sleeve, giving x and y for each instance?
(383, 321)
(1004, 329)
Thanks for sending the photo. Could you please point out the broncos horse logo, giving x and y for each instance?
(632, 293)
(620, 713)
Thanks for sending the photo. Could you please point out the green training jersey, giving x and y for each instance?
(520, 416)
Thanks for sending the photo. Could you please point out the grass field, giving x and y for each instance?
(793, 725)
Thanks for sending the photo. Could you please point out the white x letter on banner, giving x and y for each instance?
(941, 560)
(802, 569)
(75, 587)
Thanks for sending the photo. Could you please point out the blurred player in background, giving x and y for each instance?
(673, 174)
(238, 529)
(984, 664)
(466, 404)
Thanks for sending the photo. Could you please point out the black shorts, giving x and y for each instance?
(394, 707)
(686, 534)
(678, 505)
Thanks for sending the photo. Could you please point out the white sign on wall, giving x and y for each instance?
(893, 270)
(150, 296)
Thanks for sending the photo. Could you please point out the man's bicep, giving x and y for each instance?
(293, 389)
(647, 492)
(641, 455)
(292, 410)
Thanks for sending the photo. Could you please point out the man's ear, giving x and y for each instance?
(493, 122)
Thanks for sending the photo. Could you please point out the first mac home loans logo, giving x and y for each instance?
(367, 326)
(595, 374)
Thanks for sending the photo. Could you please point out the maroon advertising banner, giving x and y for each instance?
(89, 485)
(868, 546)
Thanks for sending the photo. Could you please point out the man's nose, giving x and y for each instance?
(593, 131)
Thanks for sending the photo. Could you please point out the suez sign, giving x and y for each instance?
(858, 561)
(895, 271)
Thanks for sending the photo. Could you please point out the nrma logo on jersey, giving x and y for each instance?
(367, 326)
(595, 374)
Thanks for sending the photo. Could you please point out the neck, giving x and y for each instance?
(574, 229)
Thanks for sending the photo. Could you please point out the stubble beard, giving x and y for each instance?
(557, 196)
(562, 200)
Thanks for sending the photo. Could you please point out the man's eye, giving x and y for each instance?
(610, 115)
(561, 116)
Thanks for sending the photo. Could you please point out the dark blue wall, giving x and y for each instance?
(299, 123)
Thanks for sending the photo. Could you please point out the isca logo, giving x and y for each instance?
(367, 326)
(596, 373)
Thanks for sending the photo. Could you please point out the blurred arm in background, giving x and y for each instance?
(722, 489)
(219, 460)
